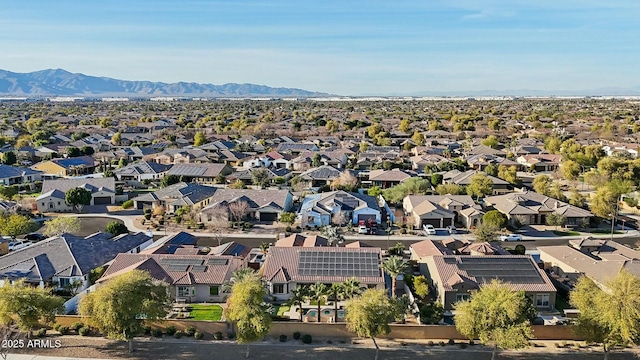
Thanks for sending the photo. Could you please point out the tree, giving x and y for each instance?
(491, 169)
(418, 138)
(116, 228)
(339, 218)
(374, 191)
(609, 314)
(394, 266)
(369, 315)
(570, 170)
(404, 125)
(238, 276)
(9, 158)
(260, 177)
(316, 161)
(116, 139)
(397, 249)
(7, 192)
(14, 225)
(78, 198)
(412, 186)
(542, 184)
(452, 189)
(288, 218)
(497, 316)
(555, 219)
(117, 306)
(556, 191)
(486, 232)
(298, 296)
(491, 141)
(169, 180)
(247, 310)
(8, 334)
(238, 210)
(122, 163)
(332, 234)
(421, 286)
(61, 225)
(603, 202)
(431, 313)
(238, 184)
(27, 305)
(508, 174)
(351, 288)
(495, 218)
(436, 179)
(318, 292)
(73, 151)
(577, 199)
(346, 181)
(199, 139)
(480, 186)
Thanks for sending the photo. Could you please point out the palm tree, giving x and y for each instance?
(264, 247)
(298, 296)
(236, 277)
(393, 266)
(351, 288)
(337, 291)
(318, 292)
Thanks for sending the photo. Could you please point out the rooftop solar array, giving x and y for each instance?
(169, 261)
(177, 268)
(217, 261)
(511, 270)
(199, 268)
(344, 264)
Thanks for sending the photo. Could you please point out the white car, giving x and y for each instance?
(17, 245)
(452, 229)
(510, 237)
(363, 229)
(429, 229)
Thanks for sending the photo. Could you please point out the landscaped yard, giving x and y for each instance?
(604, 231)
(205, 312)
(279, 310)
(566, 233)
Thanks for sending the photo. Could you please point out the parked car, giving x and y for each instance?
(429, 229)
(363, 229)
(34, 237)
(510, 237)
(452, 229)
(18, 244)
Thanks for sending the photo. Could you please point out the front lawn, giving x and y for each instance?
(279, 310)
(205, 312)
(566, 233)
(604, 231)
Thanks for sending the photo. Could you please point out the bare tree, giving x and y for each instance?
(239, 210)
(8, 333)
(217, 219)
(346, 181)
(339, 219)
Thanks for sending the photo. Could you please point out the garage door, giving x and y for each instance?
(446, 222)
(268, 216)
(434, 222)
(366, 217)
(101, 200)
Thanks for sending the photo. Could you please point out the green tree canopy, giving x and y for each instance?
(570, 170)
(117, 306)
(14, 225)
(318, 292)
(78, 198)
(453, 189)
(73, 151)
(61, 225)
(497, 316)
(394, 266)
(247, 310)
(199, 139)
(491, 141)
(169, 180)
(9, 158)
(260, 177)
(495, 218)
(288, 218)
(610, 316)
(28, 305)
(412, 186)
(555, 219)
(542, 184)
(369, 315)
(116, 228)
(480, 186)
(485, 232)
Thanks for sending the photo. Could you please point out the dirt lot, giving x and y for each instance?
(186, 348)
(90, 225)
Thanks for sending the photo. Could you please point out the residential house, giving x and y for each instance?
(323, 175)
(169, 244)
(442, 210)
(455, 277)
(420, 162)
(317, 210)
(246, 175)
(52, 199)
(11, 175)
(295, 148)
(539, 162)
(286, 268)
(631, 149)
(485, 150)
(598, 259)
(481, 161)
(191, 277)
(388, 178)
(200, 173)
(531, 208)
(233, 158)
(298, 240)
(175, 196)
(67, 167)
(60, 261)
(272, 159)
(262, 205)
(421, 252)
(142, 170)
(464, 179)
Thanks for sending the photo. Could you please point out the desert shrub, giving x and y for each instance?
(198, 335)
(296, 335)
(156, 333)
(231, 335)
(283, 338)
(84, 331)
(451, 342)
(147, 330)
(217, 335)
(56, 326)
(430, 343)
(306, 339)
(178, 334)
(147, 216)
(127, 204)
(170, 330)
(63, 330)
(190, 330)
(287, 229)
(441, 343)
(471, 342)
(41, 333)
(77, 325)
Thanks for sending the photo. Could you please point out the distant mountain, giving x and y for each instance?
(58, 82)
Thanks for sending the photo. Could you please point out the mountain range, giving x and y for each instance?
(59, 82)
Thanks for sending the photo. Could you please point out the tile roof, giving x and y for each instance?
(255, 198)
(143, 167)
(91, 184)
(325, 172)
(389, 175)
(302, 240)
(518, 272)
(289, 259)
(189, 193)
(427, 248)
(197, 170)
(9, 171)
(529, 202)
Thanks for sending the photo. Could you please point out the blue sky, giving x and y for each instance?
(343, 47)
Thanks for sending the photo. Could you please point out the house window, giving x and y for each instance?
(542, 300)
(278, 288)
(462, 297)
(64, 282)
(184, 290)
(214, 291)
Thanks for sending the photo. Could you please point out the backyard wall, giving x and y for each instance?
(398, 331)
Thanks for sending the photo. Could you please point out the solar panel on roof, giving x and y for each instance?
(325, 263)
(177, 268)
(199, 268)
(217, 261)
